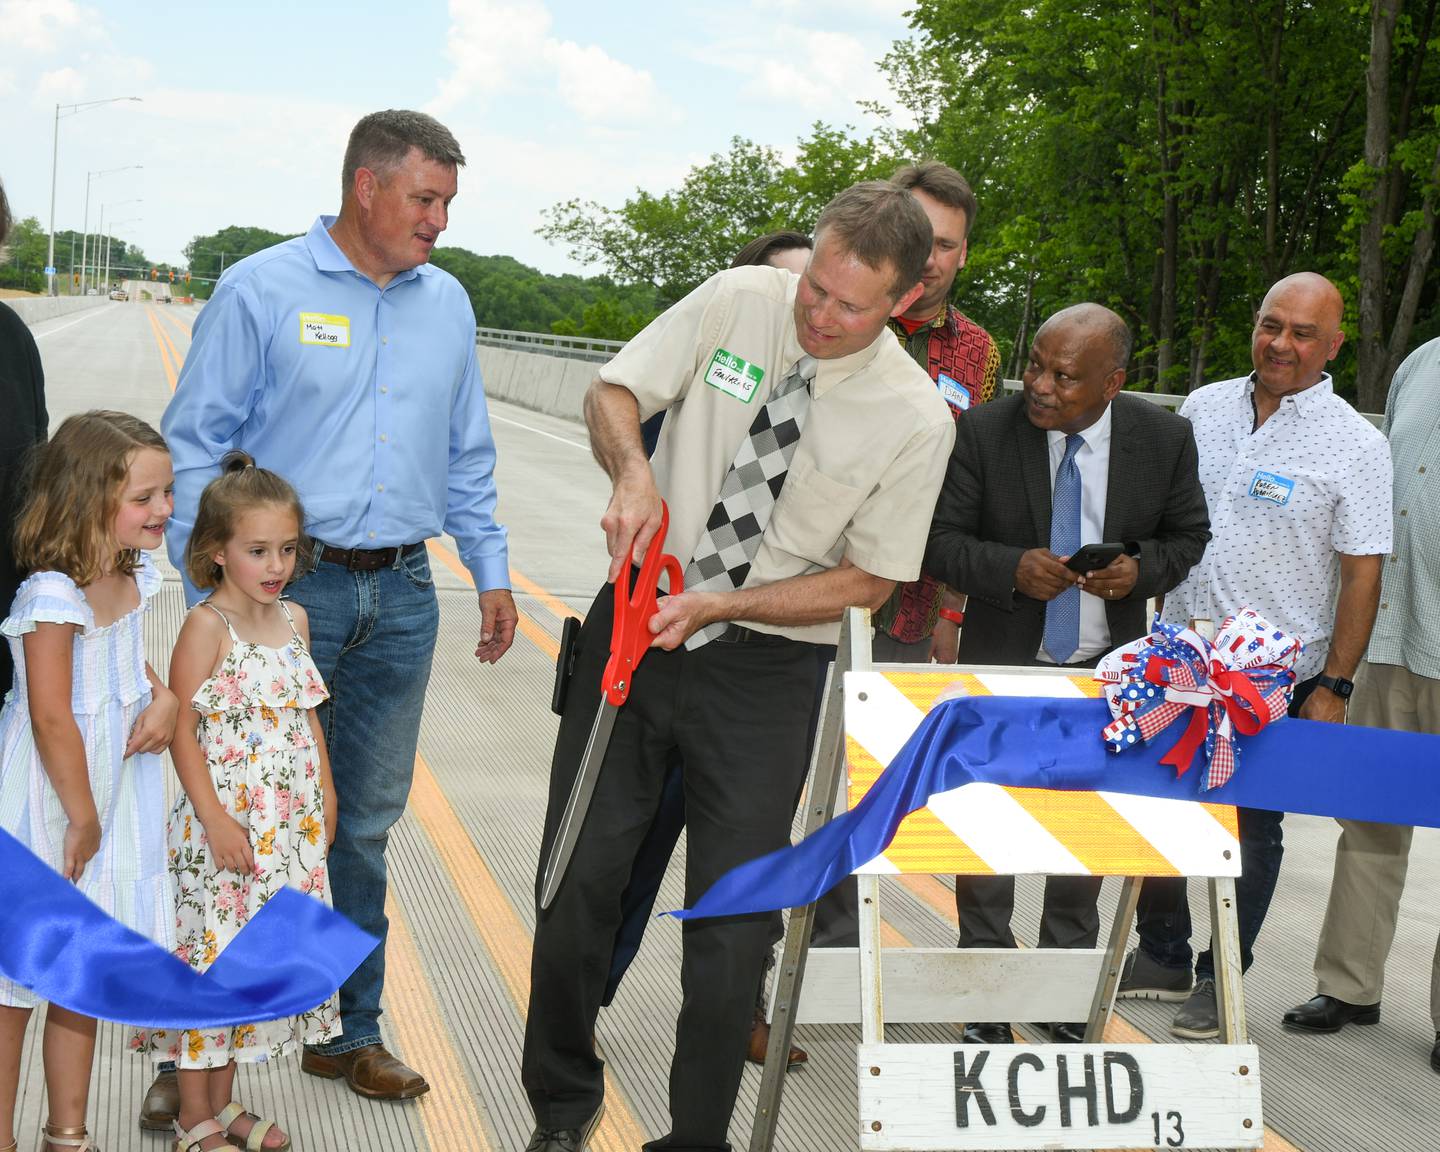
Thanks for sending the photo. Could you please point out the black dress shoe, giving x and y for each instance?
(564, 1139)
(1435, 1054)
(1067, 1033)
(1327, 1014)
(988, 1034)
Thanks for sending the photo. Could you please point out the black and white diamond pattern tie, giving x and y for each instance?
(747, 497)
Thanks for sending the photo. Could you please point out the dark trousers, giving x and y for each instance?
(1162, 916)
(834, 919)
(736, 714)
(1068, 918)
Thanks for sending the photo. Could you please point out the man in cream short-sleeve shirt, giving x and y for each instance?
(849, 520)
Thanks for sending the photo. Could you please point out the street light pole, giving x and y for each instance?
(137, 200)
(71, 110)
(84, 246)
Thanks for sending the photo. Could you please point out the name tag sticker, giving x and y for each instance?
(1273, 487)
(955, 393)
(322, 328)
(734, 376)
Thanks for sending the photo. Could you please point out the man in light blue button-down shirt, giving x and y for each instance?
(344, 361)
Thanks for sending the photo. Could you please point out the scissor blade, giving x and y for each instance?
(579, 803)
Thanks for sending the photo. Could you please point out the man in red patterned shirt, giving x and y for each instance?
(921, 620)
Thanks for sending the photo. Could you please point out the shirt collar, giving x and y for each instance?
(1096, 437)
(329, 258)
(1307, 401)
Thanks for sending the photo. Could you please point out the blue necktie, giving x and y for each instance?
(1062, 614)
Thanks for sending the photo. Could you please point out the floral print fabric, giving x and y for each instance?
(255, 731)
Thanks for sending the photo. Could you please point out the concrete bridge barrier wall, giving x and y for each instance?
(33, 309)
(550, 384)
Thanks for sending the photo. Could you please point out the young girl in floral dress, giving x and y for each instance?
(81, 783)
(257, 810)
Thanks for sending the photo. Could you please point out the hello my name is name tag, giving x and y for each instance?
(734, 376)
(324, 329)
(1273, 487)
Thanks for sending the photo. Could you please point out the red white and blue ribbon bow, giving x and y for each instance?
(1236, 684)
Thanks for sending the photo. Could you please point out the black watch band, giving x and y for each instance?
(1337, 684)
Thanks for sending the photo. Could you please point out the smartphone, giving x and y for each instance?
(1093, 557)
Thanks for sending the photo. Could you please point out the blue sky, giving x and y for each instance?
(246, 107)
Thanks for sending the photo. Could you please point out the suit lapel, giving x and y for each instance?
(1035, 474)
(1123, 471)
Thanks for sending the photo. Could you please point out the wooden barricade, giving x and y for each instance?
(961, 1096)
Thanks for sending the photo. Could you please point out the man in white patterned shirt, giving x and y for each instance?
(1298, 484)
(1398, 686)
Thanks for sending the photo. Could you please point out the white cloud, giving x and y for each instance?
(498, 45)
(602, 89)
(8, 84)
(62, 86)
(41, 26)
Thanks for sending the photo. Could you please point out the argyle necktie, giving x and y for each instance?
(1062, 614)
(747, 497)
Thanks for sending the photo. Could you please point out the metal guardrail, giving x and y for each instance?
(570, 347)
(599, 351)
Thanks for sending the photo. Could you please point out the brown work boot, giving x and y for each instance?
(760, 1041)
(161, 1106)
(370, 1071)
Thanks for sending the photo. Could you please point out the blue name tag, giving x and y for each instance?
(955, 393)
(1272, 487)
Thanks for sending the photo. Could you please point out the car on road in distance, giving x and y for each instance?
(119, 294)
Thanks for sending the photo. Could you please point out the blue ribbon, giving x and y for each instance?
(292, 955)
(1303, 766)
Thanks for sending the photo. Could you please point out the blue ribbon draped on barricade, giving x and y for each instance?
(1291, 766)
(291, 956)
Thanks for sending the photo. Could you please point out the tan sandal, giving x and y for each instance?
(254, 1140)
(190, 1141)
(76, 1138)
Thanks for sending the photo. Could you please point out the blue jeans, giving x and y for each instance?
(1163, 915)
(372, 635)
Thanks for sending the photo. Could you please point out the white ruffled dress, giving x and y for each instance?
(127, 876)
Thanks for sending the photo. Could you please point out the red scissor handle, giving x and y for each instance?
(631, 635)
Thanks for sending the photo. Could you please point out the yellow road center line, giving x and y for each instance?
(449, 1113)
(504, 936)
(527, 626)
(171, 318)
(160, 342)
(558, 608)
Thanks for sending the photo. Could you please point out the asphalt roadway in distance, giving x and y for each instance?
(462, 864)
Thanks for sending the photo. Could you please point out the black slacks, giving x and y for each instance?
(737, 714)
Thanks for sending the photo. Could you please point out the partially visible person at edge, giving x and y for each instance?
(799, 470)
(346, 361)
(788, 250)
(22, 399)
(1299, 488)
(1397, 686)
(921, 620)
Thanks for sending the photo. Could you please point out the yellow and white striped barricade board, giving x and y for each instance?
(1026, 1096)
(984, 829)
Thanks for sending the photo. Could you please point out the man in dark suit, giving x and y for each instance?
(1071, 461)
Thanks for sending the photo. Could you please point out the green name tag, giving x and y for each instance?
(734, 376)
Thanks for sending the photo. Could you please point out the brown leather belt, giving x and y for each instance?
(365, 559)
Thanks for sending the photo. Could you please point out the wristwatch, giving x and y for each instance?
(1337, 684)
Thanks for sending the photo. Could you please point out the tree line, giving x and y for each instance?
(504, 292)
(22, 261)
(1168, 158)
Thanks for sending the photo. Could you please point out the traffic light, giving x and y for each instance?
(172, 275)
(187, 275)
(154, 274)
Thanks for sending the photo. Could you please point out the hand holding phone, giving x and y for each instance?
(1093, 557)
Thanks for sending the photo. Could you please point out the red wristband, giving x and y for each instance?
(953, 616)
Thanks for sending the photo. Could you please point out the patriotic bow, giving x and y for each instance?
(1237, 684)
